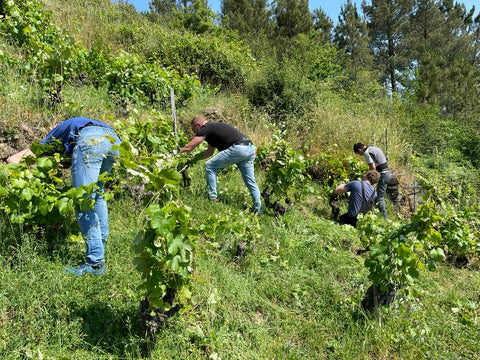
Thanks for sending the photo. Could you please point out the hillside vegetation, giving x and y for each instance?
(191, 279)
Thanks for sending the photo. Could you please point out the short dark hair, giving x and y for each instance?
(373, 176)
(357, 147)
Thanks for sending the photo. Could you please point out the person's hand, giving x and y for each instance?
(17, 157)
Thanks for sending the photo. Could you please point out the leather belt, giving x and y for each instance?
(86, 125)
(245, 142)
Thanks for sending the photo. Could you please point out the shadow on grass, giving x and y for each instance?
(112, 331)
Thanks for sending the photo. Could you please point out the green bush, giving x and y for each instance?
(290, 87)
(48, 51)
(132, 80)
(281, 91)
(217, 63)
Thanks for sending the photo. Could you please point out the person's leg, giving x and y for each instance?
(101, 208)
(87, 160)
(246, 167)
(347, 219)
(221, 160)
(381, 190)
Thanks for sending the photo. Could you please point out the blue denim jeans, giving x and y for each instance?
(243, 156)
(381, 189)
(92, 156)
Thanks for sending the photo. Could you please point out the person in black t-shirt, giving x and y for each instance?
(233, 148)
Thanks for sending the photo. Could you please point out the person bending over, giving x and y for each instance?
(233, 148)
(362, 196)
(376, 160)
(93, 147)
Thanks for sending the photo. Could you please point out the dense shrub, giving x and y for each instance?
(48, 51)
(281, 91)
(215, 62)
(469, 144)
(131, 79)
(291, 87)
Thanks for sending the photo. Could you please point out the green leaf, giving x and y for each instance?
(19, 183)
(437, 254)
(127, 158)
(163, 225)
(404, 250)
(45, 162)
(45, 207)
(175, 263)
(170, 176)
(152, 210)
(64, 205)
(26, 194)
(174, 245)
(86, 204)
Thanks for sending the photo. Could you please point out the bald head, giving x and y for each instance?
(198, 120)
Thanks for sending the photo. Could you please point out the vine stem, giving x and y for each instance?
(375, 302)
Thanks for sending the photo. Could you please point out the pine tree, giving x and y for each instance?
(444, 54)
(247, 16)
(351, 36)
(387, 23)
(252, 19)
(293, 17)
(323, 25)
(164, 7)
(425, 39)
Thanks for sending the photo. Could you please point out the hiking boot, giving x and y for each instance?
(83, 269)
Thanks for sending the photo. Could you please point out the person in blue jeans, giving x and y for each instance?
(376, 160)
(93, 147)
(233, 148)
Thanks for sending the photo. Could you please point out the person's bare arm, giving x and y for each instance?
(17, 157)
(340, 189)
(197, 140)
(208, 152)
(372, 166)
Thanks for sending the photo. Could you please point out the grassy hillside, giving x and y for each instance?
(295, 295)
(298, 291)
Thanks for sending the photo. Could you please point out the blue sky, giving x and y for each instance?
(331, 7)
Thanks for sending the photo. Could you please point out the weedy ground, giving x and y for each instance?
(295, 295)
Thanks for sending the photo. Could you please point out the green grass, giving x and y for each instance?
(296, 295)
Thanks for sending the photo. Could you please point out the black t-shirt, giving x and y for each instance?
(220, 135)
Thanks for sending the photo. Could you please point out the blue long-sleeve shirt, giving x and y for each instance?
(68, 130)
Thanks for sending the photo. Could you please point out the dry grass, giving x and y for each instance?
(90, 21)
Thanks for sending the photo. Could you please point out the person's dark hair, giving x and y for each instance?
(373, 176)
(357, 147)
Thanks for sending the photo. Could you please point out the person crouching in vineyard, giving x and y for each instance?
(362, 196)
(376, 160)
(93, 147)
(233, 148)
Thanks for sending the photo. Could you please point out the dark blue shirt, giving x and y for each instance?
(355, 189)
(67, 132)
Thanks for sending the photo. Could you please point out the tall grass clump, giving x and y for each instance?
(102, 21)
